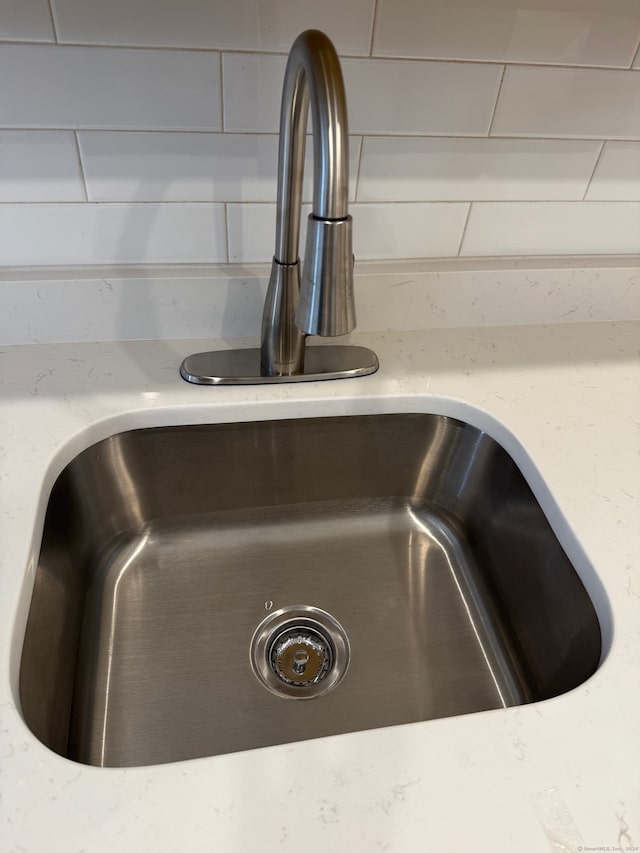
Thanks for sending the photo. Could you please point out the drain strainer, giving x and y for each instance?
(300, 652)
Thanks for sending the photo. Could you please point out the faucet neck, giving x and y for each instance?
(313, 75)
(320, 300)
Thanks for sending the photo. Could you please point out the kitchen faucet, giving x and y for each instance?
(320, 300)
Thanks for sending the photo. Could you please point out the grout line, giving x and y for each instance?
(145, 47)
(380, 202)
(595, 169)
(53, 21)
(484, 137)
(495, 103)
(124, 203)
(226, 231)
(636, 55)
(456, 61)
(399, 58)
(221, 92)
(352, 135)
(81, 164)
(350, 56)
(357, 180)
(464, 229)
(373, 26)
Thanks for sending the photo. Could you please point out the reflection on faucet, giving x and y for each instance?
(320, 302)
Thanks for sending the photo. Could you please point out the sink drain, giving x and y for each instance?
(300, 652)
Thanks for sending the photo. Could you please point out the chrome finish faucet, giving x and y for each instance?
(320, 301)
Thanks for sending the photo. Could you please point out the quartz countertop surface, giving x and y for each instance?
(559, 775)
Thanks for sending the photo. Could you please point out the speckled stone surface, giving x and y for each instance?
(558, 775)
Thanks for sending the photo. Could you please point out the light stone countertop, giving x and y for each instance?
(560, 775)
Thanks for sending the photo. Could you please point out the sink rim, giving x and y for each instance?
(390, 414)
(293, 409)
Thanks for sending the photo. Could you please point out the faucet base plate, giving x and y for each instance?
(242, 366)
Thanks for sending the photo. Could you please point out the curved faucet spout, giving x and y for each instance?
(321, 302)
(313, 74)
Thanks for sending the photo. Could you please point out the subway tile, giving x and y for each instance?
(39, 165)
(568, 102)
(617, 177)
(251, 92)
(68, 87)
(25, 20)
(252, 232)
(415, 169)
(380, 231)
(580, 228)
(432, 98)
(178, 166)
(566, 32)
(384, 96)
(122, 166)
(50, 234)
(407, 230)
(269, 25)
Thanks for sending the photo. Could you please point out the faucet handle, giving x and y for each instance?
(326, 305)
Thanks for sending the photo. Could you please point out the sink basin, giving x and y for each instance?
(165, 549)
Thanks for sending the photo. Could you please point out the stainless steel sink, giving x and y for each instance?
(165, 549)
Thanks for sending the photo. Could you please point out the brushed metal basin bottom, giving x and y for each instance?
(164, 549)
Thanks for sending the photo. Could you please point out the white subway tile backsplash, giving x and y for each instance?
(39, 166)
(252, 91)
(269, 25)
(407, 230)
(568, 102)
(379, 230)
(431, 98)
(122, 166)
(419, 169)
(384, 96)
(173, 109)
(67, 87)
(580, 228)
(617, 177)
(50, 234)
(25, 20)
(178, 166)
(565, 32)
(252, 232)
